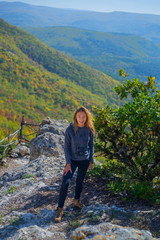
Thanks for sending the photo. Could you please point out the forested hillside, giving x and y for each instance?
(107, 52)
(39, 81)
(120, 40)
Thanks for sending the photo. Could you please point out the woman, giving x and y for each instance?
(79, 150)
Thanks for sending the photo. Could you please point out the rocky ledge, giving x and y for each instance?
(29, 193)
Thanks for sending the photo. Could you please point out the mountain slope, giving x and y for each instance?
(21, 14)
(39, 81)
(107, 52)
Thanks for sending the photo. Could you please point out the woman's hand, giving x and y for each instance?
(67, 169)
(90, 166)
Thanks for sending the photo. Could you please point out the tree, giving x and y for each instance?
(130, 135)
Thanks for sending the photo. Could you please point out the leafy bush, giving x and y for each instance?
(130, 136)
(99, 171)
(135, 189)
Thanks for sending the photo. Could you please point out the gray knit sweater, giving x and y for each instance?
(79, 145)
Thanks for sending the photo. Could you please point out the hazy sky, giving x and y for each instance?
(139, 6)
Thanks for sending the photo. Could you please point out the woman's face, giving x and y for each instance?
(81, 118)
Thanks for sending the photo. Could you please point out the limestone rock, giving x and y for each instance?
(29, 194)
(53, 126)
(47, 144)
(105, 231)
(49, 140)
(20, 150)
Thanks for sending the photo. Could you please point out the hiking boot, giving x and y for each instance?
(59, 214)
(77, 203)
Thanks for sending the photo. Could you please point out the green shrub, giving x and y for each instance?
(129, 137)
(12, 189)
(99, 171)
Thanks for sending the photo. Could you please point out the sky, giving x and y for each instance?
(137, 6)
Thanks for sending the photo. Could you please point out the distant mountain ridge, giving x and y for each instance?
(22, 14)
(107, 52)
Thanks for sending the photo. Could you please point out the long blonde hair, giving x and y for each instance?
(89, 122)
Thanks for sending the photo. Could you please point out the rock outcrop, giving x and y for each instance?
(108, 231)
(20, 151)
(29, 195)
(50, 139)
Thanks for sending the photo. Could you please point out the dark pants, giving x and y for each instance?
(82, 169)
